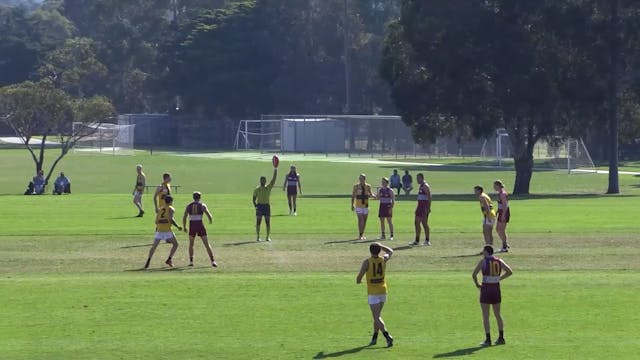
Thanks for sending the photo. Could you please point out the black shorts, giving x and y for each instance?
(263, 210)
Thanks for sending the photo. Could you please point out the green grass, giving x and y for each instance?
(72, 287)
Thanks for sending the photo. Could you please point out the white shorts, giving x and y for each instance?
(487, 221)
(165, 235)
(362, 211)
(377, 299)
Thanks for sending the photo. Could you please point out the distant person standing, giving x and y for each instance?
(164, 220)
(488, 213)
(163, 190)
(360, 196)
(292, 184)
(375, 269)
(395, 182)
(387, 200)
(194, 211)
(423, 209)
(504, 214)
(407, 182)
(138, 190)
(493, 271)
(261, 196)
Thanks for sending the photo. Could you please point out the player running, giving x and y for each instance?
(360, 203)
(422, 211)
(164, 220)
(486, 206)
(138, 190)
(503, 214)
(292, 184)
(261, 196)
(387, 198)
(162, 191)
(493, 270)
(195, 210)
(375, 269)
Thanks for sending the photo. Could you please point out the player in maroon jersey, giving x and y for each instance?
(504, 214)
(387, 199)
(493, 270)
(292, 184)
(194, 211)
(422, 210)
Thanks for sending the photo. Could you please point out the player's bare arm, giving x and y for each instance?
(299, 184)
(353, 197)
(155, 197)
(284, 185)
(428, 192)
(173, 221)
(208, 213)
(475, 273)
(184, 219)
(273, 178)
(370, 193)
(507, 270)
(363, 270)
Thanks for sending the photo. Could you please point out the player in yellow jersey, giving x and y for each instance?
(360, 196)
(261, 202)
(138, 190)
(164, 220)
(375, 269)
(486, 206)
(162, 191)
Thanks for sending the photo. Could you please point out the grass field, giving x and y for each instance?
(72, 287)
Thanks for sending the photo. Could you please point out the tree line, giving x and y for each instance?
(538, 68)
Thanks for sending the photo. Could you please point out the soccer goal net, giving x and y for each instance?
(565, 154)
(258, 135)
(104, 138)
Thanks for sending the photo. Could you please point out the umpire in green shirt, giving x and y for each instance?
(261, 196)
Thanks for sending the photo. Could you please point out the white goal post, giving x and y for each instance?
(557, 153)
(258, 135)
(104, 138)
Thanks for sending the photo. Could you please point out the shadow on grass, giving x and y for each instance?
(459, 352)
(122, 217)
(175, 268)
(135, 246)
(463, 256)
(322, 355)
(241, 243)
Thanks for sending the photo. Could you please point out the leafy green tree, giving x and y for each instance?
(43, 111)
(74, 68)
(487, 65)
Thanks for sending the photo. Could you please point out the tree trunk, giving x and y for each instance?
(612, 112)
(522, 143)
(524, 171)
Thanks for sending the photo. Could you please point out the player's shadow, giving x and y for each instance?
(459, 352)
(134, 246)
(322, 355)
(241, 243)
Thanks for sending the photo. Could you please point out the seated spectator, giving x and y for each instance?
(30, 189)
(39, 182)
(407, 182)
(62, 185)
(394, 181)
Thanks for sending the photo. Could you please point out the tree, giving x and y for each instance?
(486, 64)
(74, 68)
(43, 111)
